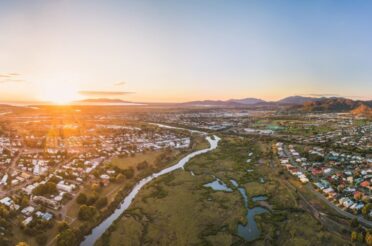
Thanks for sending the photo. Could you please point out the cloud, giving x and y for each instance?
(104, 93)
(120, 83)
(359, 97)
(321, 95)
(10, 78)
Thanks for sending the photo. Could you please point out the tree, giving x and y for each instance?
(95, 187)
(119, 178)
(102, 202)
(360, 237)
(86, 212)
(128, 173)
(92, 199)
(354, 236)
(63, 226)
(24, 201)
(142, 165)
(366, 209)
(82, 198)
(4, 211)
(369, 238)
(67, 238)
(45, 189)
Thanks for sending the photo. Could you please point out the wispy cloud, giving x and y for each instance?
(359, 98)
(120, 83)
(321, 95)
(10, 78)
(104, 93)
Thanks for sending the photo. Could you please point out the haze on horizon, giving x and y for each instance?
(176, 51)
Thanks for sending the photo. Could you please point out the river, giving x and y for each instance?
(98, 231)
(178, 128)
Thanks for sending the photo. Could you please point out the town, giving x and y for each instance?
(47, 168)
(59, 171)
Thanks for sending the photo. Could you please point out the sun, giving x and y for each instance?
(59, 93)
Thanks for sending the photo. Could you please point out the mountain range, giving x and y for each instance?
(337, 105)
(292, 100)
(298, 103)
(292, 103)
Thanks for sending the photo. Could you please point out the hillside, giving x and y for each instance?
(211, 103)
(298, 100)
(337, 105)
(362, 110)
(247, 101)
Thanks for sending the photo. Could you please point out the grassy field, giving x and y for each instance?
(176, 209)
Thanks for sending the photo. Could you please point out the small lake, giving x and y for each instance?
(250, 231)
(218, 185)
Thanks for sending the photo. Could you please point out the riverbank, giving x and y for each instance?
(115, 192)
(105, 224)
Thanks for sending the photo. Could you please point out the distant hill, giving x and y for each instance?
(298, 100)
(225, 103)
(211, 103)
(247, 101)
(337, 105)
(288, 101)
(102, 100)
(107, 102)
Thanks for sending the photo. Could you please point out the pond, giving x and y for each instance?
(249, 231)
(218, 185)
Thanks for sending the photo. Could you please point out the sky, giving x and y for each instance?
(173, 51)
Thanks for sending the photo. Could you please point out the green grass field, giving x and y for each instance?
(176, 209)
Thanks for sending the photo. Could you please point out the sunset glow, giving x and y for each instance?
(58, 93)
(181, 51)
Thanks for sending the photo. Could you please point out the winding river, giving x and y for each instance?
(98, 231)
